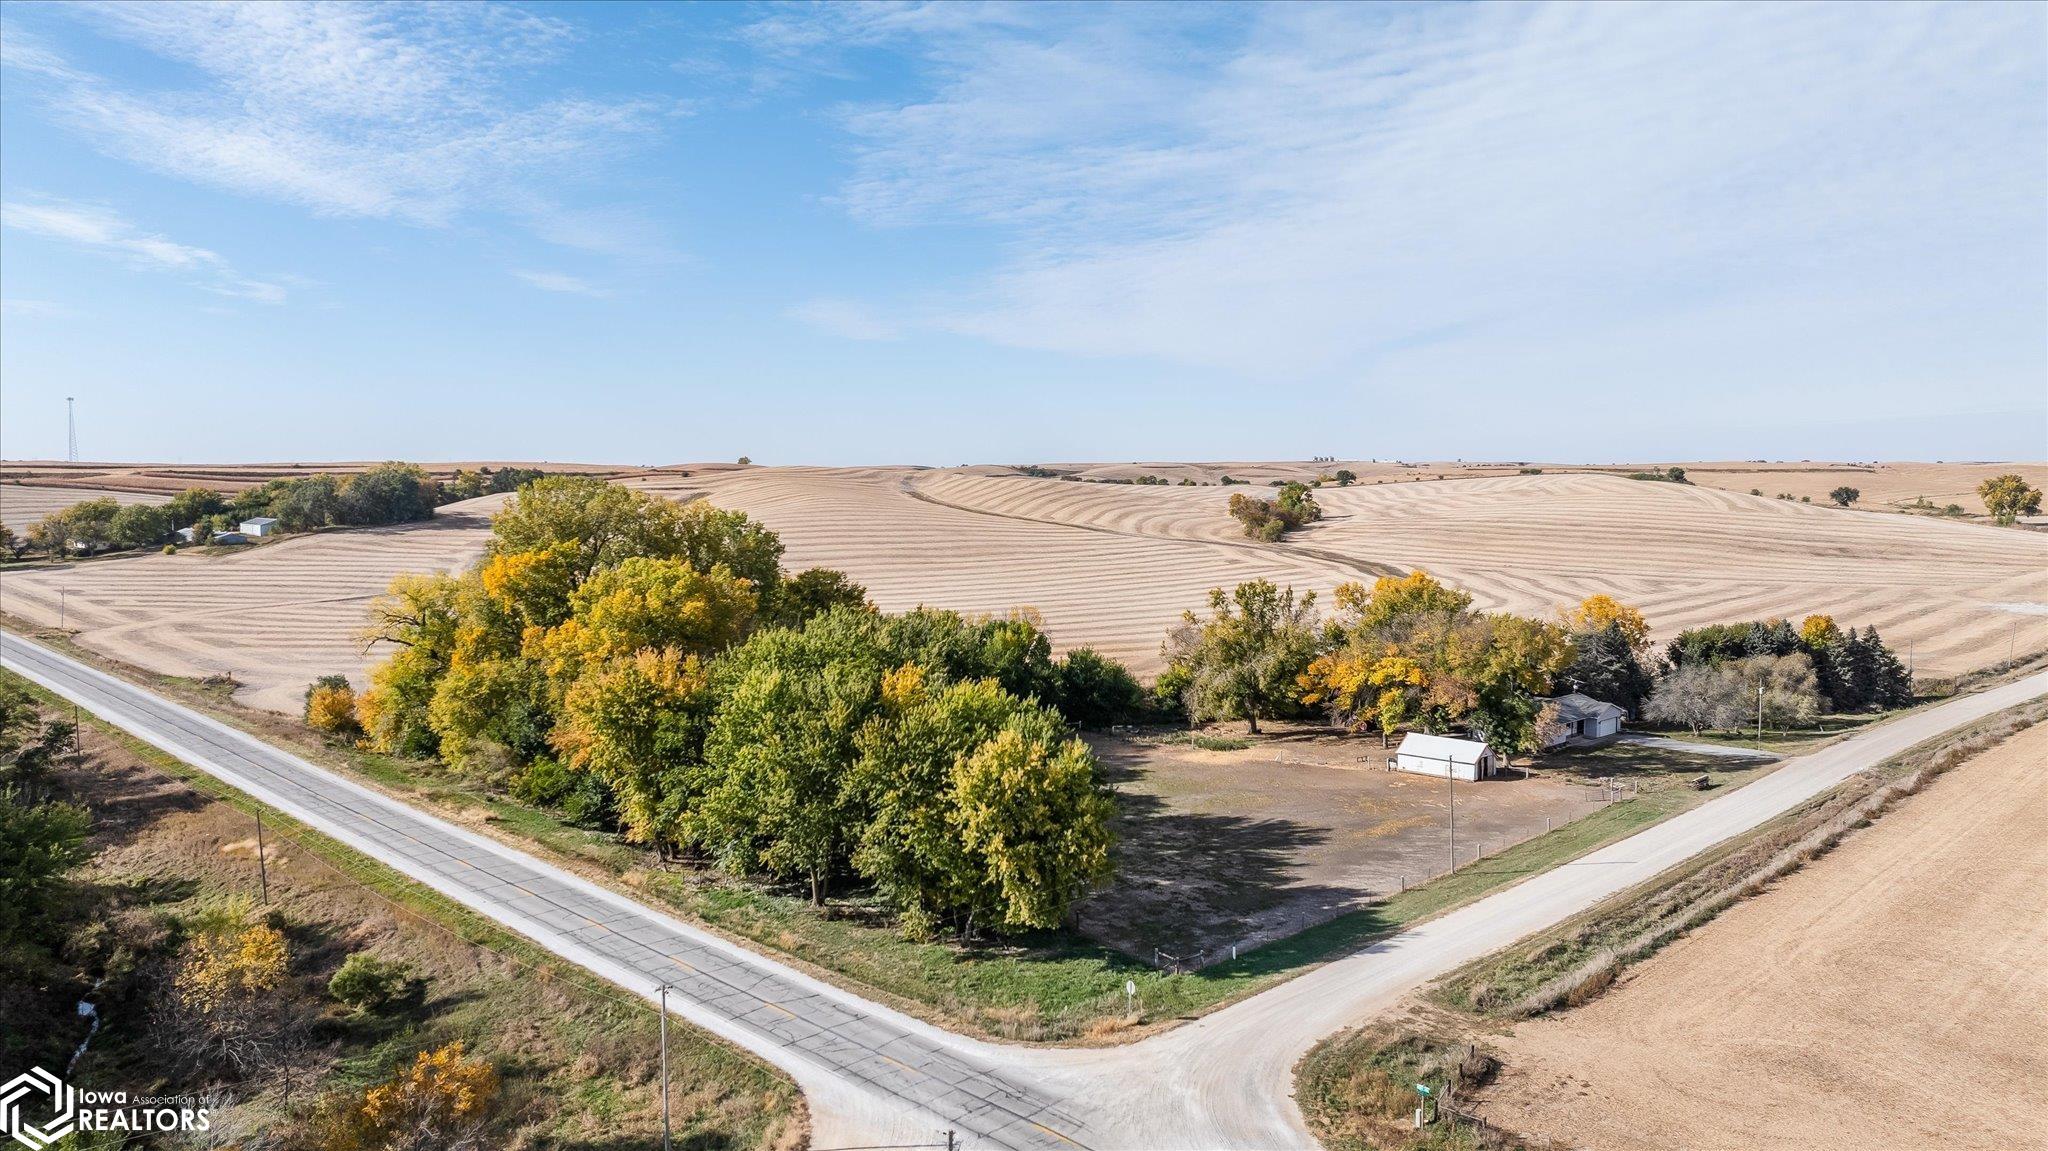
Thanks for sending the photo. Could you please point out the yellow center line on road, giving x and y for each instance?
(779, 1007)
(900, 1063)
(1053, 1133)
(681, 964)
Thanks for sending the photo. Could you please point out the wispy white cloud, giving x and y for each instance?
(103, 230)
(36, 309)
(561, 282)
(1343, 192)
(848, 319)
(382, 111)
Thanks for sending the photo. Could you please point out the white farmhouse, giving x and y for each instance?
(1583, 717)
(1443, 755)
(260, 526)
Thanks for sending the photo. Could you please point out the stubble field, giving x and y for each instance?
(1113, 565)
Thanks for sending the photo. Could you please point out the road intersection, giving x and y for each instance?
(876, 1075)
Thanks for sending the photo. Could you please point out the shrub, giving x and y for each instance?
(366, 983)
(1096, 691)
(331, 706)
(1845, 495)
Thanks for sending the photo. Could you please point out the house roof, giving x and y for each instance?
(1575, 706)
(1442, 747)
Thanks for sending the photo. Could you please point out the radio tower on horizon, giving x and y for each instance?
(71, 432)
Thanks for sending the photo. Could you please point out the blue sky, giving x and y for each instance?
(650, 234)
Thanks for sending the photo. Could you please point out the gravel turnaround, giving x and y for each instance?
(874, 1075)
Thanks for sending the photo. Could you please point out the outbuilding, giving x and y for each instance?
(1583, 717)
(1444, 755)
(259, 527)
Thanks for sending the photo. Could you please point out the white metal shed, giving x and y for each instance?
(1444, 755)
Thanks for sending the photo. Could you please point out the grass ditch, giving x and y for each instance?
(1357, 1091)
(577, 1057)
(1049, 987)
(1577, 961)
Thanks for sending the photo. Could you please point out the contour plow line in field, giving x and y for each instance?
(874, 1075)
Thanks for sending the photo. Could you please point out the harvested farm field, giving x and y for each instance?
(1888, 996)
(1113, 565)
(273, 616)
(24, 504)
(1108, 565)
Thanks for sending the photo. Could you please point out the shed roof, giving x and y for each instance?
(1441, 747)
(263, 520)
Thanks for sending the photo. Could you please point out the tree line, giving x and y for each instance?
(650, 666)
(388, 493)
(1409, 653)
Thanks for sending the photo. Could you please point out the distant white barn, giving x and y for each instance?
(1443, 755)
(260, 526)
(1583, 717)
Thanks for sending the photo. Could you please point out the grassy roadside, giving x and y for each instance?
(1051, 987)
(575, 1055)
(1356, 1088)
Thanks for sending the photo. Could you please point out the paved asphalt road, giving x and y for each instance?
(874, 1075)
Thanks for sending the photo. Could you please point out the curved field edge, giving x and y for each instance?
(728, 1097)
(1356, 1089)
(1051, 988)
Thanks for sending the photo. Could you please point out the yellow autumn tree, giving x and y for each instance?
(234, 965)
(440, 1102)
(1599, 612)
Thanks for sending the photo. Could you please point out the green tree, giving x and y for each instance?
(1096, 691)
(811, 593)
(388, 493)
(2009, 496)
(1845, 495)
(791, 705)
(193, 505)
(39, 842)
(1243, 661)
(139, 526)
(639, 722)
(309, 502)
(903, 783)
(1034, 814)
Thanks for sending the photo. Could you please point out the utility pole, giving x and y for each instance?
(1451, 777)
(665, 1145)
(62, 595)
(262, 864)
(70, 432)
(1759, 715)
(950, 1145)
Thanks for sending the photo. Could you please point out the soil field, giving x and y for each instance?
(272, 616)
(1888, 996)
(1114, 565)
(24, 504)
(170, 479)
(1241, 847)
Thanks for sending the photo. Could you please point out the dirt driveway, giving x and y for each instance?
(1223, 847)
(1889, 996)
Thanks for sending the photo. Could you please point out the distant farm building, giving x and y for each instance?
(259, 527)
(1583, 717)
(1443, 755)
